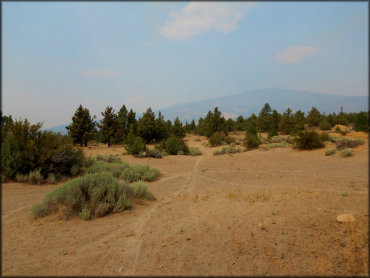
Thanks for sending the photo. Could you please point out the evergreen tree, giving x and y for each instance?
(178, 129)
(314, 117)
(214, 122)
(131, 120)
(122, 122)
(240, 123)
(82, 127)
(146, 126)
(287, 122)
(192, 125)
(342, 118)
(160, 128)
(264, 120)
(299, 120)
(230, 124)
(362, 122)
(109, 124)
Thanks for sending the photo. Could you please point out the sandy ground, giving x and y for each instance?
(253, 213)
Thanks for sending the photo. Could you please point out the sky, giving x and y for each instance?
(58, 55)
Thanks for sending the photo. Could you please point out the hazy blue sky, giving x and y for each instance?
(58, 55)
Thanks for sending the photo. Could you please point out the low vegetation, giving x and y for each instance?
(93, 195)
(227, 150)
(175, 145)
(343, 143)
(346, 152)
(193, 151)
(330, 152)
(309, 140)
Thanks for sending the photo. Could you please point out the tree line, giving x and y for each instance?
(123, 127)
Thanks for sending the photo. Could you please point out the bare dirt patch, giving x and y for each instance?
(252, 213)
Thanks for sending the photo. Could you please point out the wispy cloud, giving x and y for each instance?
(99, 73)
(228, 115)
(295, 54)
(199, 17)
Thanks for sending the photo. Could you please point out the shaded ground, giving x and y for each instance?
(253, 213)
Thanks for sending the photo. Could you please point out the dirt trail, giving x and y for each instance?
(253, 213)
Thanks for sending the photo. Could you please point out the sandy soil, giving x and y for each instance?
(253, 213)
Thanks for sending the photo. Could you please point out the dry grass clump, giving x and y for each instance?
(91, 195)
(34, 177)
(115, 168)
(227, 150)
(347, 152)
(278, 145)
(330, 151)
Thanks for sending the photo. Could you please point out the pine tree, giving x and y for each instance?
(82, 127)
(362, 122)
(178, 129)
(146, 126)
(108, 125)
(122, 128)
(314, 117)
(264, 120)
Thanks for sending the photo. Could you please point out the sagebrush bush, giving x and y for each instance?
(338, 130)
(35, 177)
(347, 152)
(227, 150)
(217, 139)
(252, 142)
(194, 151)
(88, 162)
(154, 153)
(330, 151)
(278, 145)
(75, 170)
(309, 140)
(139, 190)
(115, 168)
(343, 143)
(91, 195)
(276, 139)
(175, 144)
(139, 172)
(108, 158)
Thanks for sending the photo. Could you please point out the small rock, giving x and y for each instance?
(261, 226)
(345, 218)
(188, 238)
(273, 222)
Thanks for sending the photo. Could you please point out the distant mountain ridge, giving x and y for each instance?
(252, 102)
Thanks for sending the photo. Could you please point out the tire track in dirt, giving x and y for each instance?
(148, 215)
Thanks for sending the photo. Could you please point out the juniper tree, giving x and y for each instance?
(264, 120)
(82, 127)
(314, 117)
(108, 125)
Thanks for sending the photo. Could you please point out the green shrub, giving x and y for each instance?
(252, 142)
(136, 147)
(85, 213)
(174, 145)
(324, 136)
(325, 125)
(229, 140)
(217, 139)
(51, 179)
(330, 151)
(115, 168)
(140, 191)
(108, 158)
(276, 139)
(88, 162)
(39, 210)
(139, 172)
(91, 195)
(35, 177)
(343, 143)
(338, 130)
(75, 170)
(278, 145)
(194, 151)
(309, 140)
(227, 150)
(347, 152)
(154, 153)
